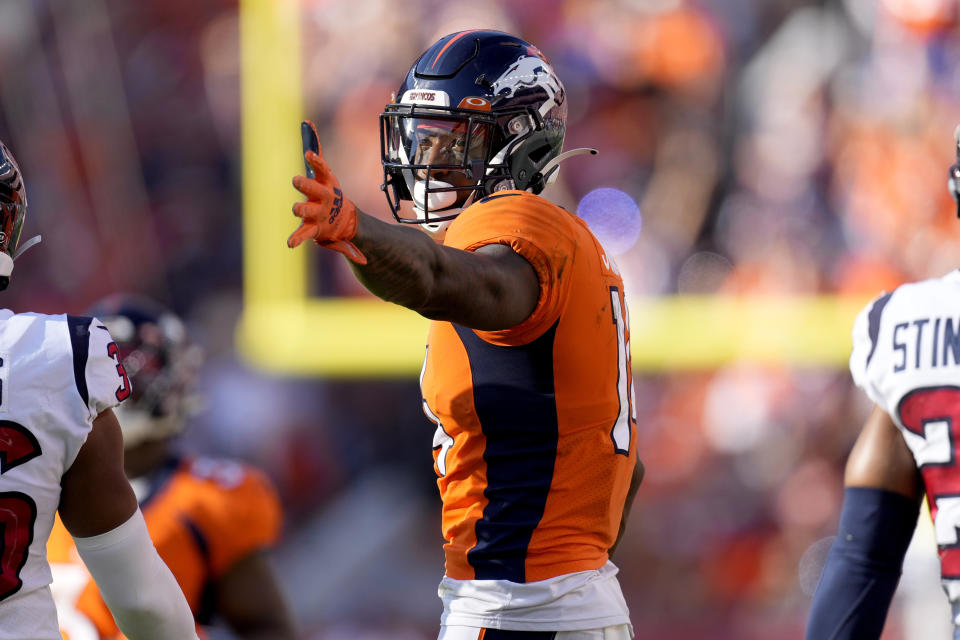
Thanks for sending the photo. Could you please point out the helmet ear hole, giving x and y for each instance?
(529, 157)
(539, 154)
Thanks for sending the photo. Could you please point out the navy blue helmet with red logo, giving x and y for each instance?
(479, 112)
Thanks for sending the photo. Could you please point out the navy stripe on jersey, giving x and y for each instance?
(201, 540)
(874, 322)
(513, 392)
(79, 327)
(206, 608)
(495, 197)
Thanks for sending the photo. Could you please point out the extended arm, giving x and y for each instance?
(99, 509)
(249, 599)
(881, 502)
(489, 289)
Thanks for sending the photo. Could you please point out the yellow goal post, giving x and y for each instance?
(283, 330)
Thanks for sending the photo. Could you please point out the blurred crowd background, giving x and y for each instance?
(776, 147)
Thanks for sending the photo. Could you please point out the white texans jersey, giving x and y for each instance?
(57, 373)
(906, 357)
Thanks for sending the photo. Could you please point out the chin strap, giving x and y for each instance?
(26, 245)
(6, 260)
(554, 164)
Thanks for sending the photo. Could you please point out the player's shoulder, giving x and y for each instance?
(59, 336)
(521, 203)
(930, 288)
(215, 478)
(510, 214)
(76, 328)
(23, 322)
(912, 298)
(875, 329)
(232, 504)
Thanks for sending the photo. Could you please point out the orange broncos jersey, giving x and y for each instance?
(534, 444)
(203, 516)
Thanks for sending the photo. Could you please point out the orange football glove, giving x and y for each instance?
(328, 218)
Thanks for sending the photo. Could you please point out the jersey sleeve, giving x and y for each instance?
(866, 352)
(240, 515)
(535, 229)
(106, 381)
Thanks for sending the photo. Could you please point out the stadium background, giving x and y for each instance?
(789, 160)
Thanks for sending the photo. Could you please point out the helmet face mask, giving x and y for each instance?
(509, 121)
(443, 159)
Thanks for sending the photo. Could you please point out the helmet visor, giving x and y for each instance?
(437, 143)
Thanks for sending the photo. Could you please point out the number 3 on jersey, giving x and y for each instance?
(441, 439)
(123, 391)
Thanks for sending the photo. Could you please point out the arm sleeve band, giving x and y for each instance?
(137, 586)
(863, 566)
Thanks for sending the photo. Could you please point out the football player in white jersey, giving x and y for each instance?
(61, 448)
(906, 358)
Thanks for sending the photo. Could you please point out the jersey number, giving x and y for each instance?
(442, 441)
(931, 417)
(18, 511)
(123, 391)
(622, 427)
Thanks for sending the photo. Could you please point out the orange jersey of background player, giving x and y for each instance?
(203, 515)
(534, 444)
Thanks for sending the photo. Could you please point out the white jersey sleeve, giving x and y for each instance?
(908, 340)
(106, 380)
(866, 335)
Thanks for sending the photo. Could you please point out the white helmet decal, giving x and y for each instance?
(526, 72)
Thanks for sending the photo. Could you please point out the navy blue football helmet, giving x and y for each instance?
(160, 362)
(479, 112)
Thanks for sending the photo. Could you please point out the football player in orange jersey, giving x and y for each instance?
(210, 519)
(527, 373)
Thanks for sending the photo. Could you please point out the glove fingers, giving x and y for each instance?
(305, 231)
(311, 188)
(314, 127)
(311, 211)
(320, 167)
